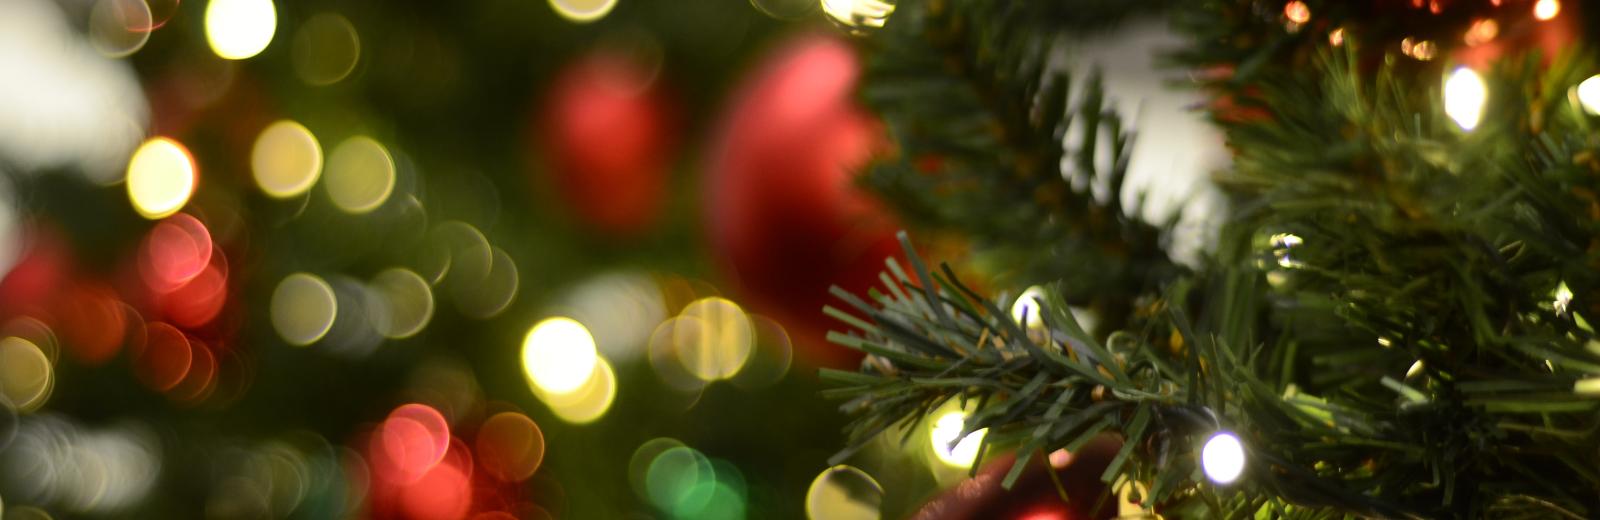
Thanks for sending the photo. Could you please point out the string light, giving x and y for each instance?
(1546, 9)
(1481, 32)
(239, 29)
(1297, 12)
(946, 429)
(1464, 97)
(1336, 38)
(1589, 94)
(1222, 458)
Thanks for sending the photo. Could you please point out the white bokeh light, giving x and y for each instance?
(1589, 94)
(239, 29)
(1464, 97)
(1222, 458)
(559, 355)
(945, 430)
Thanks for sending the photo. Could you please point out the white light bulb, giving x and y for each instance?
(1222, 458)
(1546, 9)
(1464, 97)
(1589, 94)
(945, 431)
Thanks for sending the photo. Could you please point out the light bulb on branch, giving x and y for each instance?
(1222, 458)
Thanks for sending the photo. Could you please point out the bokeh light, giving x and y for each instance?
(286, 159)
(771, 358)
(100, 473)
(858, 14)
(161, 178)
(165, 359)
(510, 446)
(326, 49)
(672, 479)
(1546, 9)
(1464, 97)
(353, 333)
(411, 442)
(26, 375)
(1589, 94)
(559, 356)
(176, 250)
(583, 11)
(589, 402)
(118, 28)
(360, 175)
(303, 308)
(1222, 458)
(403, 303)
(239, 29)
(844, 493)
(720, 345)
(639, 463)
(946, 429)
(785, 9)
(492, 294)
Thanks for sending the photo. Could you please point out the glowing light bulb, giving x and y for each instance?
(945, 431)
(857, 14)
(1589, 94)
(1222, 458)
(286, 159)
(161, 177)
(239, 29)
(583, 11)
(1297, 12)
(1464, 97)
(1546, 9)
(1026, 308)
(559, 355)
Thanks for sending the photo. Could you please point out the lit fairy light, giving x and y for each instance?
(1546, 9)
(844, 493)
(286, 159)
(1222, 458)
(240, 29)
(360, 175)
(1562, 298)
(1026, 308)
(583, 11)
(945, 446)
(858, 13)
(1283, 245)
(1336, 37)
(1423, 50)
(1464, 97)
(161, 178)
(1297, 12)
(1416, 368)
(1589, 94)
(404, 303)
(1589, 386)
(1482, 31)
(303, 308)
(559, 355)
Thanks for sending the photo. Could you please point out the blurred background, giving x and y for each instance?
(436, 260)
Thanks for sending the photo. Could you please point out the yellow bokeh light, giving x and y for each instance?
(1589, 94)
(286, 159)
(1464, 97)
(26, 377)
(360, 175)
(844, 493)
(326, 49)
(583, 11)
(588, 402)
(1546, 9)
(720, 345)
(239, 29)
(161, 177)
(1026, 309)
(559, 356)
(858, 13)
(945, 431)
(303, 309)
(405, 303)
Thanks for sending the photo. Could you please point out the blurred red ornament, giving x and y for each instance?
(606, 137)
(1034, 496)
(785, 216)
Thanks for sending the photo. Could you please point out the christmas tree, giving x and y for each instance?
(627, 258)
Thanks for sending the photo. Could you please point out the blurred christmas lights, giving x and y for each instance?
(1465, 95)
(240, 29)
(161, 178)
(1222, 458)
(844, 493)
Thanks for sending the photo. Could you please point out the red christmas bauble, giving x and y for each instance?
(606, 137)
(786, 219)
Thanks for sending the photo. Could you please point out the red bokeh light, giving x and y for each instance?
(177, 250)
(165, 359)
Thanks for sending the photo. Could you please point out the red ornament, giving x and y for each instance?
(607, 140)
(785, 216)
